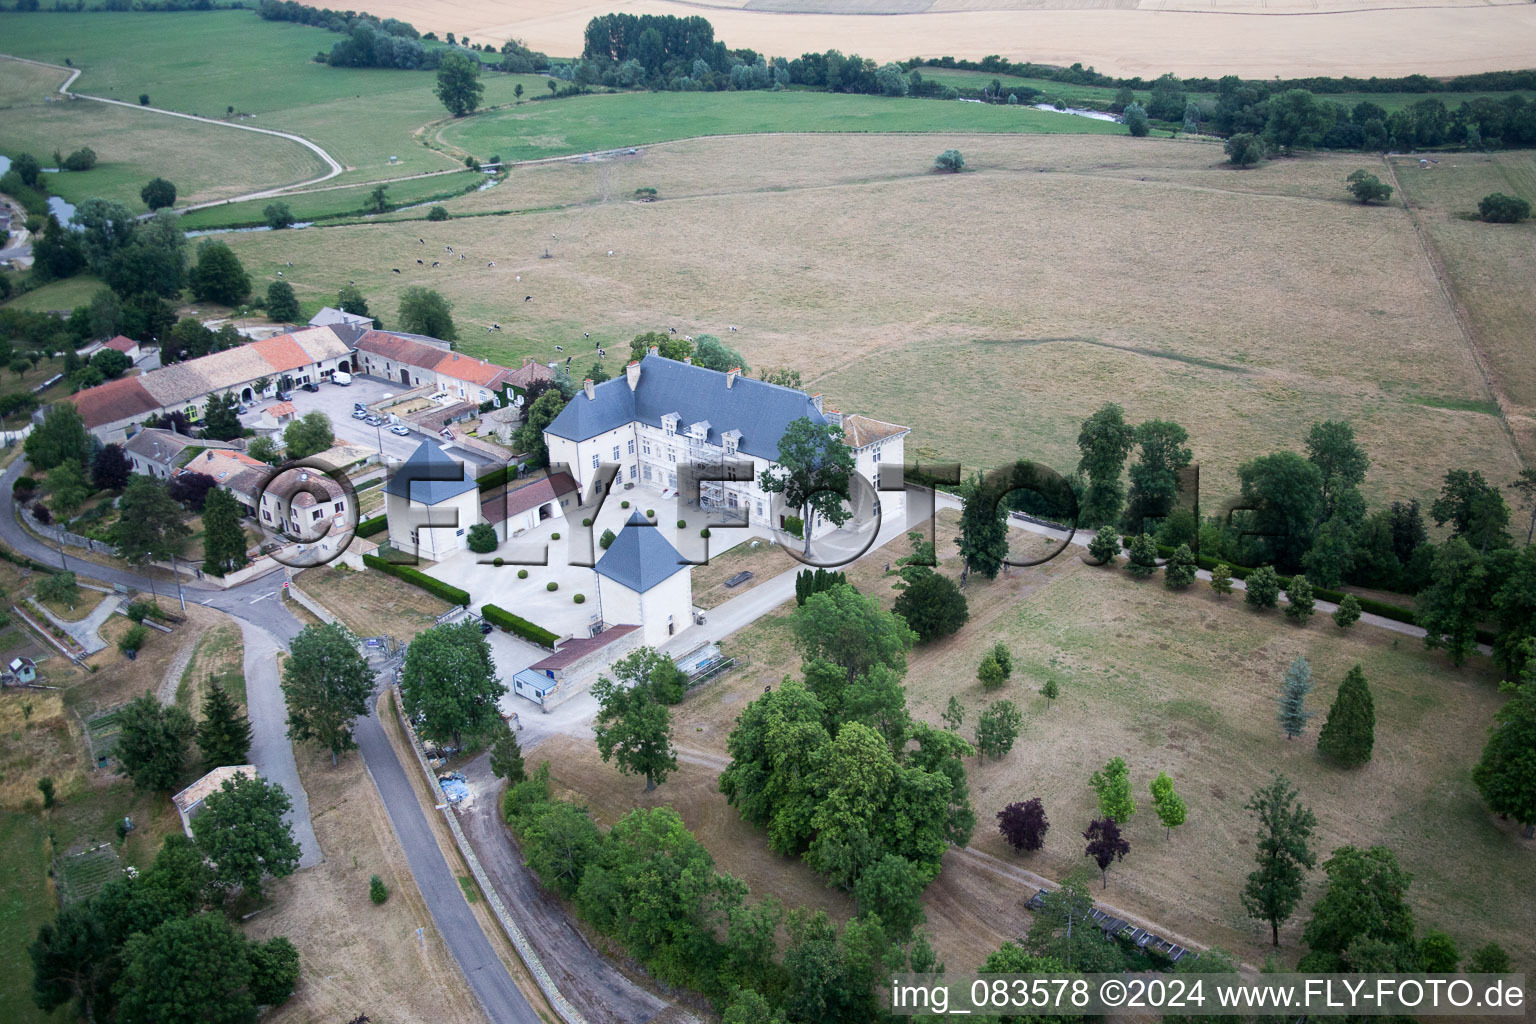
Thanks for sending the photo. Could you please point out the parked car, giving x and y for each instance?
(485, 627)
(401, 429)
(310, 385)
(283, 396)
(359, 414)
(374, 421)
(360, 407)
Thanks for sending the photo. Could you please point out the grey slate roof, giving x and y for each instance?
(430, 476)
(640, 557)
(761, 411)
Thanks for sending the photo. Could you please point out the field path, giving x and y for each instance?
(330, 161)
(174, 671)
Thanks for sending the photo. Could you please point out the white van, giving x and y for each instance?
(341, 378)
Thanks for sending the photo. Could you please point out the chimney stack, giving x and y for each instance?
(688, 360)
(731, 375)
(587, 386)
(816, 401)
(632, 373)
(653, 350)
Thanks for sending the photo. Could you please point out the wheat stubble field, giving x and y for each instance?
(992, 310)
(1254, 38)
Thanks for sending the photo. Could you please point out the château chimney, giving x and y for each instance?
(632, 373)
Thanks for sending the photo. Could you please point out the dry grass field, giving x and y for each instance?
(1123, 37)
(992, 310)
(356, 957)
(1488, 265)
(370, 603)
(1178, 683)
(219, 658)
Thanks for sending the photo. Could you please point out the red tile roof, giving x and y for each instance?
(401, 350)
(277, 409)
(528, 496)
(573, 650)
(122, 399)
(528, 373)
(473, 371)
(122, 344)
(282, 353)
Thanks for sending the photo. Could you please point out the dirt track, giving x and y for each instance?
(593, 986)
(1246, 38)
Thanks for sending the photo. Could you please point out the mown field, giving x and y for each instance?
(1488, 265)
(1178, 683)
(330, 202)
(133, 146)
(583, 124)
(991, 311)
(206, 62)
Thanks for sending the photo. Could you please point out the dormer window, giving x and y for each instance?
(669, 423)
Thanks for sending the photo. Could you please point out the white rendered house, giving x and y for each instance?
(642, 580)
(431, 500)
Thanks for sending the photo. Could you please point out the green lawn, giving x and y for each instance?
(206, 62)
(334, 202)
(65, 294)
(25, 902)
(598, 122)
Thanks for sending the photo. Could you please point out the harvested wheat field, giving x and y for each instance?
(991, 310)
(1488, 265)
(1331, 37)
(1182, 683)
(357, 957)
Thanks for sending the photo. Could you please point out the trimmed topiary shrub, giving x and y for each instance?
(554, 536)
(498, 561)
(704, 533)
(622, 504)
(650, 513)
(579, 599)
(522, 574)
(607, 539)
(587, 521)
(682, 524)
(551, 586)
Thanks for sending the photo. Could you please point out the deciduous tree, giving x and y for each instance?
(932, 606)
(1474, 508)
(1367, 188)
(241, 829)
(308, 435)
(1285, 493)
(1221, 579)
(1263, 588)
(158, 194)
(1024, 825)
(1105, 845)
(282, 304)
(61, 437)
(813, 473)
(983, 536)
(1348, 612)
(1366, 898)
(892, 890)
(1452, 606)
(1112, 783)
(1300, 604)
(1506, 775)
(449, 680)
(852, 631)
(1170, 807)
(634, 729)
(1283, 854)
(458, 83)
(189, 970)
(1104, 440)
(326, 684)
(996, 729)
(1141, 560)
(217, 275)
(110, 468)
(954, 715)
(423, 311)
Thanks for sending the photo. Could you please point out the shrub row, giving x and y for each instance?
(24, 561)
(518, 625)
(416, 578)
(496, 477)
(1396, 613)
(369, 527)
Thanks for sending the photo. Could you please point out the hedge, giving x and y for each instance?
(369, 527)
(449, 593)
(517, 624)
(496, 477)
(24, 561)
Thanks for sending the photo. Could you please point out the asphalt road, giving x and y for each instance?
(259, 609)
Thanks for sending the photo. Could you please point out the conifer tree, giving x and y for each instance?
(1221, 579)
(1293, 695)
(1348, 612)
(224, 734)
(1350, 731)
(507, 756)
(1180, 570)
